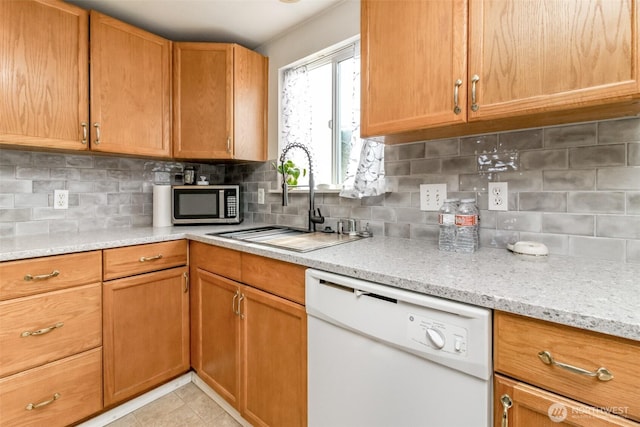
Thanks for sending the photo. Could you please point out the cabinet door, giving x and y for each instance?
(531, 406)
(217, 333)
(274, 357)
(130, 89)
(146, 332)
(203, 100)
(413, 53)
(250, 87)
(44, 85)
(533, 56)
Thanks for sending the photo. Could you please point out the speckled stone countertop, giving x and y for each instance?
(590, 294)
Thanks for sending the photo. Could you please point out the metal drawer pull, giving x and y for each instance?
(29, 277)
(42, 331)
(506, 404)
(456, 107)
(150, 258)
(474, 104)
(32, 406)
(603, 374)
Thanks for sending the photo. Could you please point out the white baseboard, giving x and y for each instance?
(137, 403)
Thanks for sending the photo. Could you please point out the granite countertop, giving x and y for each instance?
(595, 295)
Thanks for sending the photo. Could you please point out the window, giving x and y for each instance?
(320, 108)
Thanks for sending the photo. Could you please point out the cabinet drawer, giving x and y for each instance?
(76, 381)
(518, 340)
(214, 259)
(33, 276)
(131, 260)
(277, 277)
(65, 322)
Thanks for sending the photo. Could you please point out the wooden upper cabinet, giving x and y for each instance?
(413, 52)
(546, 56)
(44, 67)
(526, 63)
(130, 89)
(220, 102)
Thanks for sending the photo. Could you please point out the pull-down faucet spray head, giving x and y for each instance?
(313, 217)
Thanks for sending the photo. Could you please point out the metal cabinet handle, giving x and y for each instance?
(185, 275)
(32, 406)
(506, 401)
(150, 258)
(233, 304)
(474, 104)
(456, 106)
(228, 144)
(240, 306)
(85, 132)
(29, 277)
(42, 331)
(603, 374)
(97, 126)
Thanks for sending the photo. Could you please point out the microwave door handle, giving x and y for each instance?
(223, 201)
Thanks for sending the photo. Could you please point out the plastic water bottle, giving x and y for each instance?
(467, 227)
(447, 221)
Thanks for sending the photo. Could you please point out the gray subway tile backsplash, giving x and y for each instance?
(575, 188)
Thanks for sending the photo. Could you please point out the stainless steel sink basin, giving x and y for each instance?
(292, 239)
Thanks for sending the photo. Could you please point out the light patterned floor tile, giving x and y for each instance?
(187, 406)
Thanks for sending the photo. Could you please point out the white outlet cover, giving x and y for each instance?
(432, 196)
(261, 196)
(60, 199)
(498, 196)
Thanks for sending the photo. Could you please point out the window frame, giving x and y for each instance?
(335, 54)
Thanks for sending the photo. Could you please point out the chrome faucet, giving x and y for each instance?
(314, 218)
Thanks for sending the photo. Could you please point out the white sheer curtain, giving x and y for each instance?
(365, 171)
(296, 113)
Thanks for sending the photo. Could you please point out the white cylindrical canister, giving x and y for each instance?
(161, 205)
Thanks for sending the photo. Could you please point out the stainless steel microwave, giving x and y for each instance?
(206, 204)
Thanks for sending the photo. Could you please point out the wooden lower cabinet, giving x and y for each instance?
(251, 349)
(56, 394)
(533, 407)
(146, 332)
(274, 358)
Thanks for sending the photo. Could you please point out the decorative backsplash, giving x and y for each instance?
(574, 187)
(104, 192)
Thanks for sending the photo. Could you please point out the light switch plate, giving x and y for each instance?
(432, 196)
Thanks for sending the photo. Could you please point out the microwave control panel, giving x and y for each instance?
(231, 204)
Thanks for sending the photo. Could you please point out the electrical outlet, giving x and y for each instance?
(498, 196)
(432, 196)
(261, 196)
(60, 199)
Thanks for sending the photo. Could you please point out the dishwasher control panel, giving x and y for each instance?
(427, 333)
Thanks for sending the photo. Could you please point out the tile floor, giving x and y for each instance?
(187, 406)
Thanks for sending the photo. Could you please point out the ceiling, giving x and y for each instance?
(250, 23)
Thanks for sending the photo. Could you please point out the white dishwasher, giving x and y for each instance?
(380, 356)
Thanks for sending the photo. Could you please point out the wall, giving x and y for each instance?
(104, 192)
(574, 187)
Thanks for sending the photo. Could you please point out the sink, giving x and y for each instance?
(292, 239)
